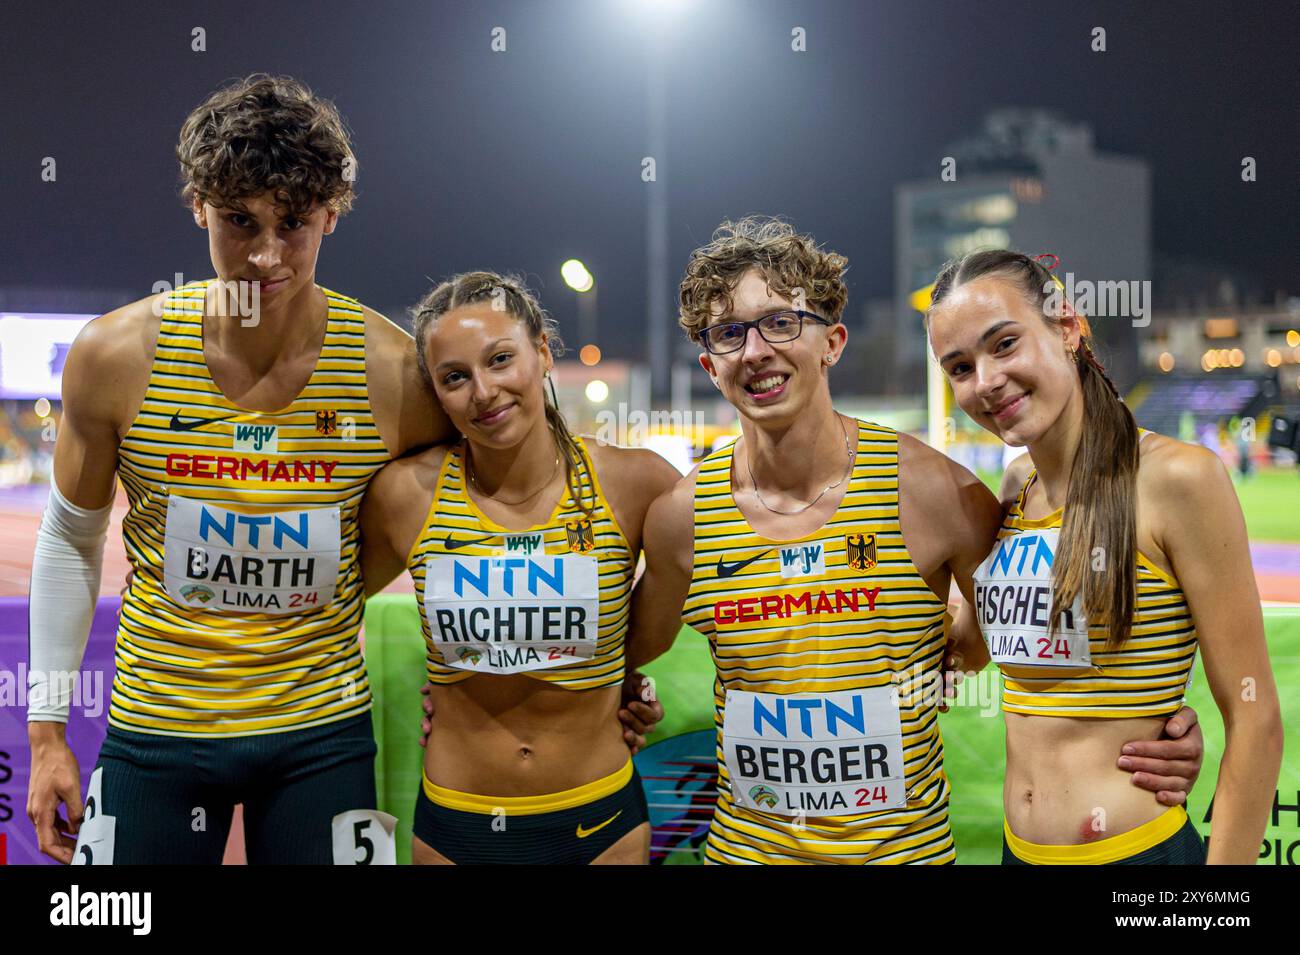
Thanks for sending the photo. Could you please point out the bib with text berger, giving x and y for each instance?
(815, 754)
(1013, 601)
(513, 613)
(276, 562)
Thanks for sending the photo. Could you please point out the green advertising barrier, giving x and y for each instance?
(677, 762)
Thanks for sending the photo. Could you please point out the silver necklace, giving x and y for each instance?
(469, 468)
(848, 453)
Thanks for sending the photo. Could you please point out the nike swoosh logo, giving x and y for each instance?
(450, 544)
(179, 425)
(584, 833)
(726, 570)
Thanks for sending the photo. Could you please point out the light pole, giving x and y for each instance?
(578, 278)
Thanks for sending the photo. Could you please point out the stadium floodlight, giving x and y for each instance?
(576, 276)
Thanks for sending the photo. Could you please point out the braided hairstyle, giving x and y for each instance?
(1097, 553)
(514, 297)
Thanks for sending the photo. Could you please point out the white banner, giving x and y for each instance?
(513, 613)
(815, 754)
(277, 562)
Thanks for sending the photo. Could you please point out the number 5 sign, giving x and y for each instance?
(364, 837)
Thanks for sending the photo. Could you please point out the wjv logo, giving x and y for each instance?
(803, 560)
(258, 438)
(526, 544)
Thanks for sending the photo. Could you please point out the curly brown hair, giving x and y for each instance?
(788, 260)
(267, 133)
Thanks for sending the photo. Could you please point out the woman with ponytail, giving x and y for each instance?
(1120, 553)
(522, 540)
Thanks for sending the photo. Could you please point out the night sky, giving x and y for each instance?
(518, 160)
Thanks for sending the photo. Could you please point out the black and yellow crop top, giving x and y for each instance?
(552, 601)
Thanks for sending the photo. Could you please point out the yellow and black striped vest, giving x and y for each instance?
(467, 542)
(842, 609)
(1146, 677)
(236, 630)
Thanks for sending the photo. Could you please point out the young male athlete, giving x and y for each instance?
(245, 438)
(816, 554)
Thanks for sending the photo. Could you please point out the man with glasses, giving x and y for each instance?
(816, 554)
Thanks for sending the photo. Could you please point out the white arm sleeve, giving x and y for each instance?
(65, 585)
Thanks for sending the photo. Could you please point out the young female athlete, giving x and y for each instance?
(522, 540)
(244, 440)
(816, 555)
(1120, 552)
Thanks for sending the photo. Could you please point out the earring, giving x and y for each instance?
(830, 359)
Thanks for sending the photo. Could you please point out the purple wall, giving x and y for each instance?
(86, 727)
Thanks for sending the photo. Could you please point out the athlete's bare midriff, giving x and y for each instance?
(515, 735)
(1062, 783)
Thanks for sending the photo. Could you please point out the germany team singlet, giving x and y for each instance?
(243, 613)
(552, 602)
(827, 652)
(1069, 669)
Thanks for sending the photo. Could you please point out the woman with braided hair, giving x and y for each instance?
(1121, 551)
(522, 540)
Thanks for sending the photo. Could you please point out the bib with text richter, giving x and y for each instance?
(276, 562)
(510, 614)
(1013, 601)
(815, 754)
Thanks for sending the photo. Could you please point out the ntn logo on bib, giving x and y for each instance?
(513, 613)
(815, 754)
(277, 562)
(1013, 601)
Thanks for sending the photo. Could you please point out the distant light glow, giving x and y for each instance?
(589, 355)
(42, 407)
(576, 276)
(1166, 362)
(597, 391)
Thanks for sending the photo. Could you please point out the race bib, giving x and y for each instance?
(1013, 602)
(815, 754)
(513, 613)
(97, 835)
(277, 563)
(364, 837)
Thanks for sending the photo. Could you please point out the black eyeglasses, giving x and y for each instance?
(775, 328)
